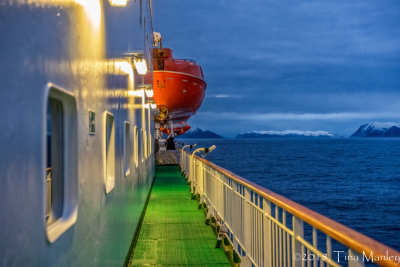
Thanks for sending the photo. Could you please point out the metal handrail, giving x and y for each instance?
(383, 255)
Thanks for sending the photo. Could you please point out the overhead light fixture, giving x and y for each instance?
(147, 89)
(142, 90)
(138, 61)
(118, 2)
(140, 65)
(124, 67)
(152, 104)
(135, 93)
(149, 92)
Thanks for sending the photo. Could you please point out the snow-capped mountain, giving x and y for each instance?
(197, 133)
(378, 129)
(286, 134)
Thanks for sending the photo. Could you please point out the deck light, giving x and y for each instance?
(92, 10)
(204, 151)
(208, 150)
(190, 146)
(141, 90)
(140, 65)
(137, 60)
(135, 93)
(125, 67)
(120, 3)
(152, 103)
(149, 93)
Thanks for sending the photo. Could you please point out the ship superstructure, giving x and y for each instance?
(81, 124)
(76, 155)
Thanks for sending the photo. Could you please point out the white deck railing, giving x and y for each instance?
(267, 229)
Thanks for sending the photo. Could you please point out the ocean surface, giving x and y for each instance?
(353, 181)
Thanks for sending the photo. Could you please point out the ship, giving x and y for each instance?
(76, 159)
(89, 101)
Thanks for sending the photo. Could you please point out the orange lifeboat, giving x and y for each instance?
(178, 85)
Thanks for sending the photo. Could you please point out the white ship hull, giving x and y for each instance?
(74, 50)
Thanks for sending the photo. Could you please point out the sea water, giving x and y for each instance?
(353, 181)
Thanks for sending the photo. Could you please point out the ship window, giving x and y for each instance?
(146, 144)
(143, 145)
(55, 161)
(109, 152)
(135, 146)
(149, 136)
(61, 185)
(127, 149)
(140, 148)
(150, 144)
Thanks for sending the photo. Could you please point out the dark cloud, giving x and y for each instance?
(293, 57)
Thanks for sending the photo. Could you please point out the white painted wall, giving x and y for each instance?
(74, 45)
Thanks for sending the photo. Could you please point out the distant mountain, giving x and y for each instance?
(285, 134)
(378, 129)
(197, 133)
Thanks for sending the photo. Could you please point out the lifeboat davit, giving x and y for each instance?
(178, 85)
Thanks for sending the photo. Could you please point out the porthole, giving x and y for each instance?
(145, 147)
(109, 152)
(135, 146)
(127, 149)
(61, 181)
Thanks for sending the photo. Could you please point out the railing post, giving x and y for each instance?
(210, 212)
(220, 194)
(267, 233)
(199, 177)
(181, 155)
(298, 230)
(187, 163)
(247, 223)
(184, 163)
(194, 178)
(192, 173)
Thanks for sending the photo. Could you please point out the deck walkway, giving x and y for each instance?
(173, 231)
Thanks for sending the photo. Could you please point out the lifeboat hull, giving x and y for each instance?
(181, 93)
(178, 85)
(178, 130)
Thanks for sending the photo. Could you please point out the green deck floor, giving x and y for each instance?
(174, 231)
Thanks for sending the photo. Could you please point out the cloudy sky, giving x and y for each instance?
(289, 65)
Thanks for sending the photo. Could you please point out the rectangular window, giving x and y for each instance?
(55, 161)
(149, 144)
(144, 139)
(61, 176)
(142, 146)
(127, 149)
(135, 146)
(109, 152)
(148, 139)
